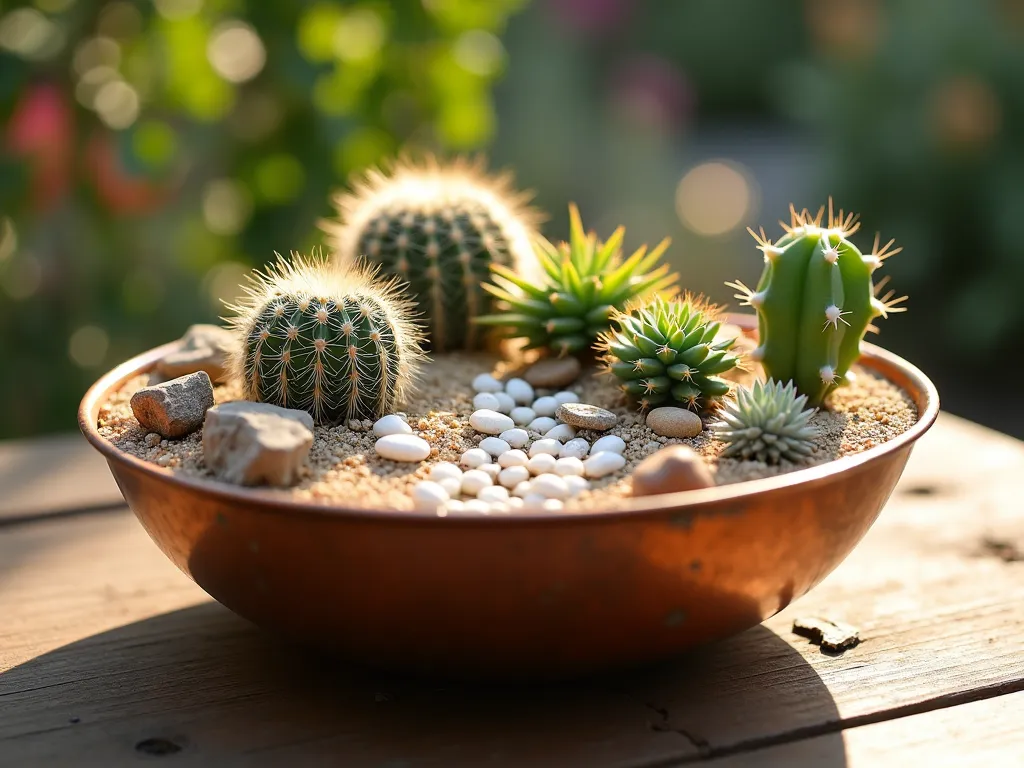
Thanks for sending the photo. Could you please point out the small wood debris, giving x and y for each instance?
(830, 635)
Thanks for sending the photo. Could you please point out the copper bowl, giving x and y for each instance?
(530, 595)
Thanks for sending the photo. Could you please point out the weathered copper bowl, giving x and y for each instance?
(530, 595)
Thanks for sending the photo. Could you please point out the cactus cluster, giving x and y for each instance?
(668, 352)
(439, 228)
(768, 422)
(585, 282)
(815, 300)
(328, 339)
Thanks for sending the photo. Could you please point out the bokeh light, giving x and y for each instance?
(177, 9)
(236, 52)
(224, 283)
(479, 52)
(116, 103)
(28, 33)
(358, 35)
(227, 206)
(22, 277)
(715, 198)
(88, 346)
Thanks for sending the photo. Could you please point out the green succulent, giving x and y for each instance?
(584, 283)
(667, 353)
(768, 422)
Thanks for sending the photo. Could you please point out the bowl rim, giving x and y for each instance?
(694, 502)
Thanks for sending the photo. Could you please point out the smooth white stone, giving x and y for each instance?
(552, 505)
(516, 438)
(552, 447)
(566, 397)
(490, 422)
(499, 507)
(428, 496)
(541, 463)
(495, 446)
(545, 406)
(453, 485)
(561, 432)
(485, 400)
(475, 506)
(604, 463)
(475, 457)
(454, 505)
(514, 503)
(514, 458)
(542, 424)
(505, 403)
(534, 502)
(511, 477)
(391, 425)
(550, 485)
(407, 448)
(445, 470)
(475, 481)
(522, 415)
(487, 383)
(570, 465)
(491, 469)
(522, 489)
(520, 391)
(493, 493)
(576, 484)
(577, 447)
(611, 443)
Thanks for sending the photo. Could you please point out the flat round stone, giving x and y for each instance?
(391, 425)
(611, 443)
(553, 373)
(402, 448)
(674, 422)
(490, 422)
(586, 416)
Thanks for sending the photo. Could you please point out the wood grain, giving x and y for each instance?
(103, 645)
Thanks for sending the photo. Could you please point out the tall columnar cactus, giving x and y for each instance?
(668, 352)
(328, 339)
(767, 422)
(815, 300)
(585, 282)
(439, 228)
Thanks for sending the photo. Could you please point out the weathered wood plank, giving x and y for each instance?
(96, 625)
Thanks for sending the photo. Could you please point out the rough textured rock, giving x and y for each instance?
(176, 407)
(586, 416)
(674, 422)
(202, 348)
(672, 469)
(257, 443)
(553, 373)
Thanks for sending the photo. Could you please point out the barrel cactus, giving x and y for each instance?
(668, 352)
(328, 339)
(585, 282)
(768, 422)
(439, 228)
(816, 300)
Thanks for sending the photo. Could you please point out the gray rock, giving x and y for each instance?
(586, 416)
(202, 348)
(176, 407)
(257, 443)
(554, 372)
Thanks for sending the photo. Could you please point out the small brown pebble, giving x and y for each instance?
(175, 407)
(830, 635)
(670, 470)
(585, 416)
(152, 440)
(554, 372)
(674, 422)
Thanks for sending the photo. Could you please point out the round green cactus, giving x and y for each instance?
(768, 422)
(439, 228)
(667, 353)
(327, 339)
(815, 300)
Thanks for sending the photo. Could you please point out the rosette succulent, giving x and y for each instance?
(768, 422)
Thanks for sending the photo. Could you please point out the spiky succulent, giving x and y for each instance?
(585, 282)
(328, 339)
(439, 228)
(666, 353)
(768, 422)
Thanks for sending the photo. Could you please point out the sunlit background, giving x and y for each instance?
(152, 151)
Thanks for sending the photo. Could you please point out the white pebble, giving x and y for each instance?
(522, 415)
(511, 477)
(475, 481)
(391, 425)
(493, 493)
(610, 443)
(542, 424)
(454, 505)
(545, 406)
(552, 447)
(493, 470)
(487, 383)
(474, 457)
(514, 458)
(566, 397)
(402, 448)
(516, 438)
(519, 390)
(485, 400)
(495, 446)
(561, 432)
(576, 484)
(490, 422)
(534, 502)
(570, 465)
(552, 505)
(604, 463)
(541, 463)
(445, 470)
(550, 486)
(514, 503)
(453, 485)
(505, 403)
(475, 506)
(521, 490)
(428, 496)
(499, 507)
(577, 447)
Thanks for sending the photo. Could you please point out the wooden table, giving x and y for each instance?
(110, 656)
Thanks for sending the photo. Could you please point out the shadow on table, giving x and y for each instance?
(200, 685)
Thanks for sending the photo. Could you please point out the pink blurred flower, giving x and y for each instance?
(592, 16)
(118, 188)
(41, 129)
(650, 90)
